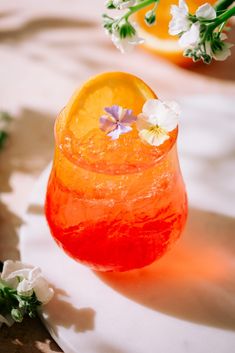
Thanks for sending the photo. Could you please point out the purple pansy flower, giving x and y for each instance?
(117, 122)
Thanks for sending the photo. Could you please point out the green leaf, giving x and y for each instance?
(3, 137)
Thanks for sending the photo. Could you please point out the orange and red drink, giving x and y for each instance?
(113, 205)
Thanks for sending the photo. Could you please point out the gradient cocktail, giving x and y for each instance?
(113, 205)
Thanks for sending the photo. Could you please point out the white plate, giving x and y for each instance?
(183, 303)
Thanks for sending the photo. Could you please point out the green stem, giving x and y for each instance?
(2, 284)
(222, 5)
(222, 18)
(138, 7)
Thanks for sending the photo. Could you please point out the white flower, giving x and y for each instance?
(206, 11)
(127, 44)
(26, 280)
(181, 23)
(180, 18)
(123, 4)
(219, 55)
(157, 120)
(191, 37)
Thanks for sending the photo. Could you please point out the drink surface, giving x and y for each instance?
(113, 205)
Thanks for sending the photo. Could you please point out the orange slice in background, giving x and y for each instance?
(157, 38)
(86, 145)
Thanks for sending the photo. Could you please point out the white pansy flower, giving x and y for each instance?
(219, 54)
(206, 11)
(157, 120)
(26, 280)
(122, 4)
(180, 18)
(191, 37)
(127, 44)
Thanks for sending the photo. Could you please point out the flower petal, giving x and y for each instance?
(151, 107)
(223, 54)
(122, 4)
(115, 133)
(14, 269)
(42, 290)
(219, 55)
(124, 128)
(154, 138)
(127, 117)
(206, 11)
(180, 19)
(106, 124)
(25, 288)
(34, 273)
(191, 37)
(183, 6)
(142, 122)
(167, 118)
(126, 45)
(160, 114)
(113, 110)
(121, 129)
(174, 106)
(10, 266)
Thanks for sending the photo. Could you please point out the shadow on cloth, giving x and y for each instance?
(61, 312)
(28, 150)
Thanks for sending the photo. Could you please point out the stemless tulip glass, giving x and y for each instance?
(113, 205)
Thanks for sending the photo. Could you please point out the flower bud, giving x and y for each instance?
(109, 4)
(17, 315)
(206, 58)
(150, 18)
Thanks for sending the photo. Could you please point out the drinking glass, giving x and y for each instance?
(113, 205)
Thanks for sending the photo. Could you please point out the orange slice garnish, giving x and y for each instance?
(85, 144)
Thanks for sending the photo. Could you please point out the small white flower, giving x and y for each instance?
(157, 120)
(127, 44)
(182, 25)
(180, 18)
(191, 37)
(206, 11)
(26, 280)
(123, 4)
(219, 55)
